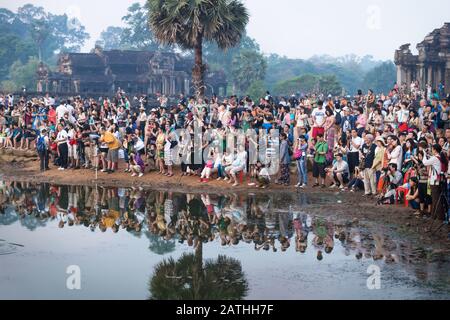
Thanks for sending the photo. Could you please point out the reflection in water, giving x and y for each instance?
(189, 278)
(267, 223)
(164, 218)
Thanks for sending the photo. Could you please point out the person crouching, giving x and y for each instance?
(137, 165)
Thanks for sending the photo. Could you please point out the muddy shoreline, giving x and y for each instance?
(348, 206)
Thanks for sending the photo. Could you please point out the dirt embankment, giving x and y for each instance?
(350, 206)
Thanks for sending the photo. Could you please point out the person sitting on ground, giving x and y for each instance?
(206, 172)
(263, 176)
(339, 172)
(357, 183)
(238, 165)
(413, 195)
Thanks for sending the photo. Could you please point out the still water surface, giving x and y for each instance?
(140, 244)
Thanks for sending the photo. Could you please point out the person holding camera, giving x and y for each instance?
(435, 163)
(394, 179)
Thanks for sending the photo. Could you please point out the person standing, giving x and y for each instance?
(434, 163)
(368, 154)
(300, 155)
(113, 149)
(63, 149)
(319, 165)
(353, 152)
(42, 146)
(285, 160)
(318, 117)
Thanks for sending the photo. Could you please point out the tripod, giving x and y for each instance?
(444, 199)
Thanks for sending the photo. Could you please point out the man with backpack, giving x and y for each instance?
(42, 147)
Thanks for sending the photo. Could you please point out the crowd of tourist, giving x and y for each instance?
(393, 147)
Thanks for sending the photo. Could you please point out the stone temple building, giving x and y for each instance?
(431, 65)
(135, 72)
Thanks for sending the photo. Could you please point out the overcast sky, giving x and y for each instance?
(295, 28)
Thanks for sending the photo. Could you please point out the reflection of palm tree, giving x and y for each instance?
(159, 245)
(189, 278)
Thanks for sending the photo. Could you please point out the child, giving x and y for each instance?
(263, 176)
(206, 173)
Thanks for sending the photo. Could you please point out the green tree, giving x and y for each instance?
(248, 67)
(305, 83)
(256, 90)
(22, 75)
(190, 23)
(329, 84)
(111, 38)
(189, 278)
(218, 59)
(50, 32)
(12, 48)
(381, 79)
(137, 34)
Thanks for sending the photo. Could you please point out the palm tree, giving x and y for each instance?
(189, 278)
(188, 23)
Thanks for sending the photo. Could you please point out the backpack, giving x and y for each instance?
(338, 118)
(40, 145)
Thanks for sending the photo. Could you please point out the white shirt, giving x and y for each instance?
(402, 115)
(62, 135)
(435, 164)
(396, 156)
(319, 116)
(60, 111)
(359, 141)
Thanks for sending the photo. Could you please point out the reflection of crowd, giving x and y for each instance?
(191, 219)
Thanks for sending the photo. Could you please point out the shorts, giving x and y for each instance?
(104, 150)
(344, 177)
(317, 131)
(319, 170)
(73, 151)
(113, 155)
(235, 170)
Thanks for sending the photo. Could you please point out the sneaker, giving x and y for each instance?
(141, 175)
(333, 186)
(103, 170)
(218, 179)
(133, 175)
(303, 186)
(235, 184)
(205, 180)
(110, 171)
(251, 184)
(226, 179)
(298, 185)
(323, 186)
(315, 185)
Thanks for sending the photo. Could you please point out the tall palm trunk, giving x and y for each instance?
(198, 271)
(199, 68)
